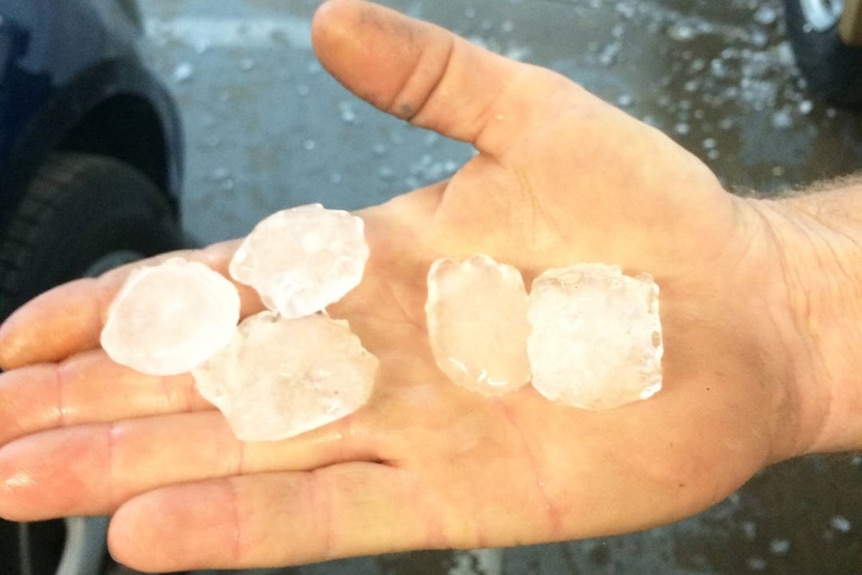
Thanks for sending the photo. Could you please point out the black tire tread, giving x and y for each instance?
(76, 205)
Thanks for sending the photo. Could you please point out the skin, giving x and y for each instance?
(760, 303)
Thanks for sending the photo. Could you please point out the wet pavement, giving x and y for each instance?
(267, 128)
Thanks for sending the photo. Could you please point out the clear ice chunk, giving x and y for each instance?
(477, 324)
(280, 377)
(168, 318)
(596, 336)
(302, 259)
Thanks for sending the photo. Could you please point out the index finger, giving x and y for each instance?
(68, 319)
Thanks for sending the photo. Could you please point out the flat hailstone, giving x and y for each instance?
(280, 376)
(596, 336)
(168, 318)
(302, 259)
(477, 324)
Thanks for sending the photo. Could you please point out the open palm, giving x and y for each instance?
(560, 177)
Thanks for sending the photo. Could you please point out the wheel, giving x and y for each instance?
(81, 215)
(833, 68)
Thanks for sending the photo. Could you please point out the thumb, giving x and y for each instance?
(434, 79)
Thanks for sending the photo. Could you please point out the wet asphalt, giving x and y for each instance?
(267, 129)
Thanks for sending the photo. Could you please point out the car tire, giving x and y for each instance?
(81, 215)
(833, 68)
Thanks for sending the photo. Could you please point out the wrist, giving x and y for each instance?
(818, 239)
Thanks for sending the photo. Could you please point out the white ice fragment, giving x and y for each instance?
(302, 259)
(348, 113)
(681, 32)
(596, 336)
(766, 15)
(477, 324)
(781, 119)
(840, 523)
(280, 377)
(168, 318)
(779, 546)
(182, 72)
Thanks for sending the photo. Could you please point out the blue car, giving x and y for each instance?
(90, 170)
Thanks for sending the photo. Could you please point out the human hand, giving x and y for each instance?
(560, 177)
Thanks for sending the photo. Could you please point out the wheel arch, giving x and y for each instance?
(115, 108)
(125, 127)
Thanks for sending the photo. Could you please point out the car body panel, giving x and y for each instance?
(70, 64)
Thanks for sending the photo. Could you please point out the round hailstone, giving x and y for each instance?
(596, 336)
(302, 259)
(169, 318)
(280, 377)
(477, 324)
